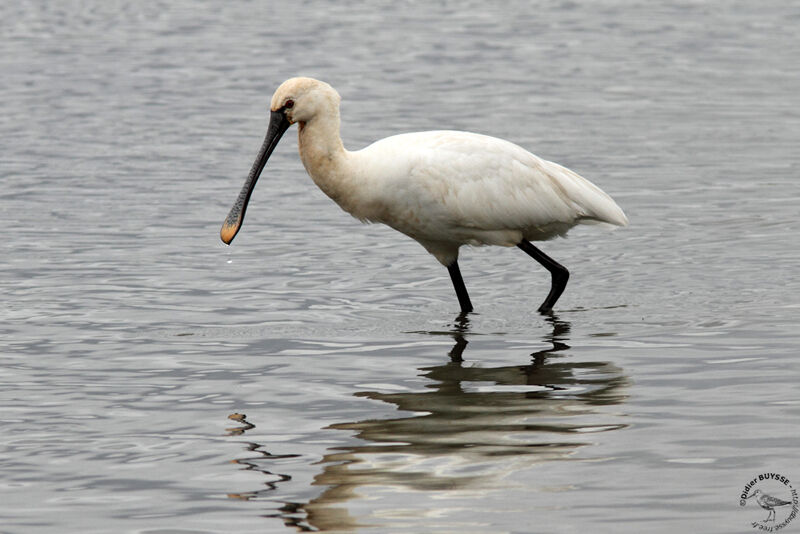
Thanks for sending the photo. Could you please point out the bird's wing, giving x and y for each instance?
(769, 500)
(488, 183)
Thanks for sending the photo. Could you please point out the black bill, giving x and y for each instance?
(278, 124)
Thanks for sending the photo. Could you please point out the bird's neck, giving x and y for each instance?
(324, 155)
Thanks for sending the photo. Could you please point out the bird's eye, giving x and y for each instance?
(289, 104)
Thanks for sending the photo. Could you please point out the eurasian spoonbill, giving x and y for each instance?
(444, 189)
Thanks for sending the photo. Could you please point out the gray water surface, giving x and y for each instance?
(315, 376)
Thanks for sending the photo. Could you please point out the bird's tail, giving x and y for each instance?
(593, 202)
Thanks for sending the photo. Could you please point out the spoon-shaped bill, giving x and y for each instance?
(233, 222)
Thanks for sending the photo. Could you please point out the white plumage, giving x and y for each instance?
(450, 188)
(444, 189)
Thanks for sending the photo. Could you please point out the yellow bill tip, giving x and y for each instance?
(228, 232)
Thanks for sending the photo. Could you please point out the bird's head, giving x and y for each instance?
(296, 100)
(756, 493)
(301, 99)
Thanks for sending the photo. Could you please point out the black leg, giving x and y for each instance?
(559, 274)
(461, 289)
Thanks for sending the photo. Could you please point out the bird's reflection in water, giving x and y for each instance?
(256, 463)
(471, 428)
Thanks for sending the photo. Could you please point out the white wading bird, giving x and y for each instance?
(442, 188)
